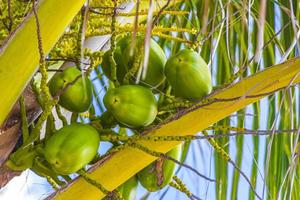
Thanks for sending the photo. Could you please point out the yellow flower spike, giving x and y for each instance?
(85, 114)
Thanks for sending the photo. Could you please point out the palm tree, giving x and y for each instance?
(248, 125)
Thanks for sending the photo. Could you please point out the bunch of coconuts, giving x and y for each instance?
(131, 105)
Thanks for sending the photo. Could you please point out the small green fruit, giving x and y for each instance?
(131, 105)
(21, 159)
(122, 68)
(78, 96)
(71, 148)
(128, 189)
(188, 75)
(159, 173)
(155, 73)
